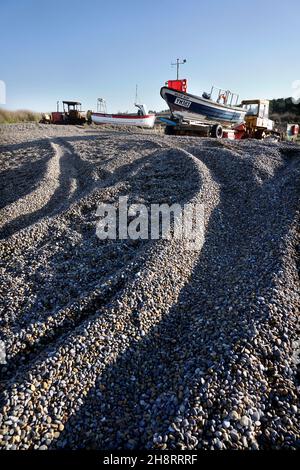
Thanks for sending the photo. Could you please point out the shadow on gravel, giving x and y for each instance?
(18, 181)
(72, 169)
(101, 258)
(32, 173)
(151, 383)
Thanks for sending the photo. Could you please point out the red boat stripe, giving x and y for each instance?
(122, 116)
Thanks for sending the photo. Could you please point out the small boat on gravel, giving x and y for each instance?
(221, 110)
(140, 119)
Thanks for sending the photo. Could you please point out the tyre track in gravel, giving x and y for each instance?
(101, 348)
(34, 201)
(135, 405)
(60, 321)
(79, 307)
(62, 183)
(80, 381)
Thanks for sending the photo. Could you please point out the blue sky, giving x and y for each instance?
(85, 49)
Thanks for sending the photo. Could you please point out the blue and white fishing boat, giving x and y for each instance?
(222, 110)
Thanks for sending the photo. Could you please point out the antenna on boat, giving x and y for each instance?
(101, 106)
(177, 63)
(136, 95)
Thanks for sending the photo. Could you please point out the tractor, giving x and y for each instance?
(257, 124)
(71, 114)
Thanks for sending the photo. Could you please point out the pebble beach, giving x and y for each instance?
(145, 344)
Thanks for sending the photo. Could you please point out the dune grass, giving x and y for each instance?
(22, 115)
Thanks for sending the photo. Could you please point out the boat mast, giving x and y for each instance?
(177, 63)
(101, 106)
(136, 95)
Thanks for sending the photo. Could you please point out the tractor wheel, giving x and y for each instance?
(259, 134)
(216, 131)
(169, 130)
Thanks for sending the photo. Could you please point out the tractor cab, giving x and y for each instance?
(257, 115)
(73, 113)
(71, 106)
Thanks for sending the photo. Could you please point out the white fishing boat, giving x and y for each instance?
(221, 110)
(141, 119)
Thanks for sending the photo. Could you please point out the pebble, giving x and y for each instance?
(234, 415)
(194, 349)
(245, 421)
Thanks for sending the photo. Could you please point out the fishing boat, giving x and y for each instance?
(222, 110)
(141, 119)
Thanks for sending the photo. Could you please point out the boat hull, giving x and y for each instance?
(124, 119)
(201, 108)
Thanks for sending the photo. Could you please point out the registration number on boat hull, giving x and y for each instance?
(181, 102)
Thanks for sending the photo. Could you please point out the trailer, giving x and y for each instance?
(179, 125)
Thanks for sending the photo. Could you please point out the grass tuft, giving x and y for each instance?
(22, 115)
